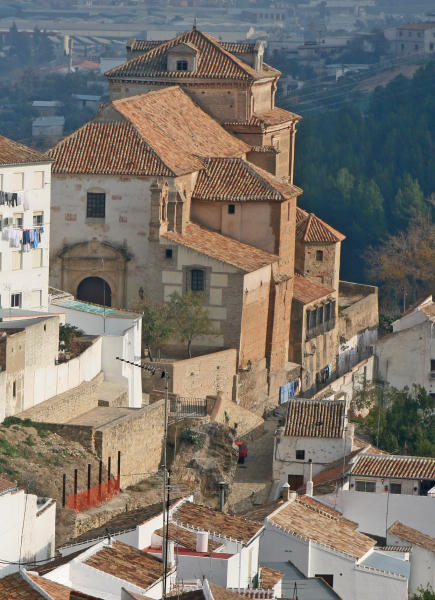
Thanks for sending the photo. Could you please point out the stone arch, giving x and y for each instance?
(95, 259)
(95, 290)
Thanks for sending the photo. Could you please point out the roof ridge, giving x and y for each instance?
(244, 66)
(254, 172)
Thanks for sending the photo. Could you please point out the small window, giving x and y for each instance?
(16, 260)
(300, 454)
(327, 311)
(14, 389)
(18, 219)
(432, 364)
(231, 209)
(395, 488)
(168, 252)
(197, 280)
(319, 255)
(38, 180)
(16, 300)
(96, 205)
(182, 65)
(320, 315)
(37, 258)
(38, 219)
(365, 486)
(17, 182)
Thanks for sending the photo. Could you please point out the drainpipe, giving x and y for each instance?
(309, 486)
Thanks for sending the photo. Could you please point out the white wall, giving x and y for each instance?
(27, 280)
(369, 510)
(422, 565)
(32, 541)
(277, 546)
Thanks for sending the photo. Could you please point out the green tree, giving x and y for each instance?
(66, 334)
(408, 203)
(190, 317)
(157, 326)
(423, 594)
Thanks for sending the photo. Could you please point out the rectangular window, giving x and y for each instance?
(182, 65)
(333, 305)
(327, 312)
(37, 258)
(395, 488)
(17, 182)
(365, 486)
(18, 219)
(320, 315)
(38, 219)
(309, 319)
(231, 209)
(168, 252)
(38, 180)
(300, 454)
(432, 364)
(14, 389)
(96, 205)
(319, 255)
(197, 280)
(16, 260)
(16, 300)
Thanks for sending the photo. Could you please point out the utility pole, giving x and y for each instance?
(165, 502)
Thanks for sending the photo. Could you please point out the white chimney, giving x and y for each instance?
(171, 553)
(309, 485)
(286, 492)
(202, 541)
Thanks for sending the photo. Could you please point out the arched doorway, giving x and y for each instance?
(96, 290)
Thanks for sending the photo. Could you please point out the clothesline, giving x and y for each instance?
(16, 199)
(28, 238)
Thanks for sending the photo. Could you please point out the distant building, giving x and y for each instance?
(48, 127)
(25, 183)
(407, 355)
(415, 38)
(87, 101)
(46, 108)
(27, 529)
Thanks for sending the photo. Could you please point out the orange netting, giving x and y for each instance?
(96, 495)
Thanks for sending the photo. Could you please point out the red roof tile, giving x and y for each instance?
(159, 133)
(13, 153)
(206, 519)
(270, 118)
(134, 45)
(269, 577)
(222, 248)
(213, 61)
(311, 229)
(315, 418)
(398, 467)
(185, 538)
(235, 180)
(15, 587)
(413, 536)
(306, 291)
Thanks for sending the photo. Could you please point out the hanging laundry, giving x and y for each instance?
(292, 389)
(35, 239)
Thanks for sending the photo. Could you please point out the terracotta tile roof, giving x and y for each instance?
(325, 481)
(14, 153)
(413, 536)
(221, 593)
(214, 521)
(259, 513)
(127, 563)
(6, 484)
(306, 291)
(399, 467)
(213, 61)
(269, 577)
(315, 418)
(222, 248)
(327, 530)
(55, 590)
(185, 538)
(233, 47)
(270, 118)
(56, 562)
(311, 229)
(316, 505)
(236, 180)
(159, 133)
(15, 587)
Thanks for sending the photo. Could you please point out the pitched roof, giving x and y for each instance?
(311, 229)
(315, 418)
(222, 248)
(259, 513)
(127, 563)
(213, 61)
(134, 45)
(14, 153)
(261, 122)
(399, 467)
(158, 133)
(206, 519)
(306, 291)
(269, 577)
(320, 526)
(413, 536)
(236, 180)
(15, 587)
(185, 538)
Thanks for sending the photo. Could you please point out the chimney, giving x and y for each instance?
(171, 553)
(309, 486)
(258, 56)
(202, 541)
(286, 492)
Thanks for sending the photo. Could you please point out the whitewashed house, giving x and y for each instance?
(321, 543)
(407, 355)
(27, 528)
(316, 433)
(422, 554)
(25, 182)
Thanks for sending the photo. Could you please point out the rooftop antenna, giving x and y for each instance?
(194, 22)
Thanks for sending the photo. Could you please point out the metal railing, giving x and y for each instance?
(188, 406)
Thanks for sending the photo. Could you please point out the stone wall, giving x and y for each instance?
(359, 315)
(197, 377)
(66, 406)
